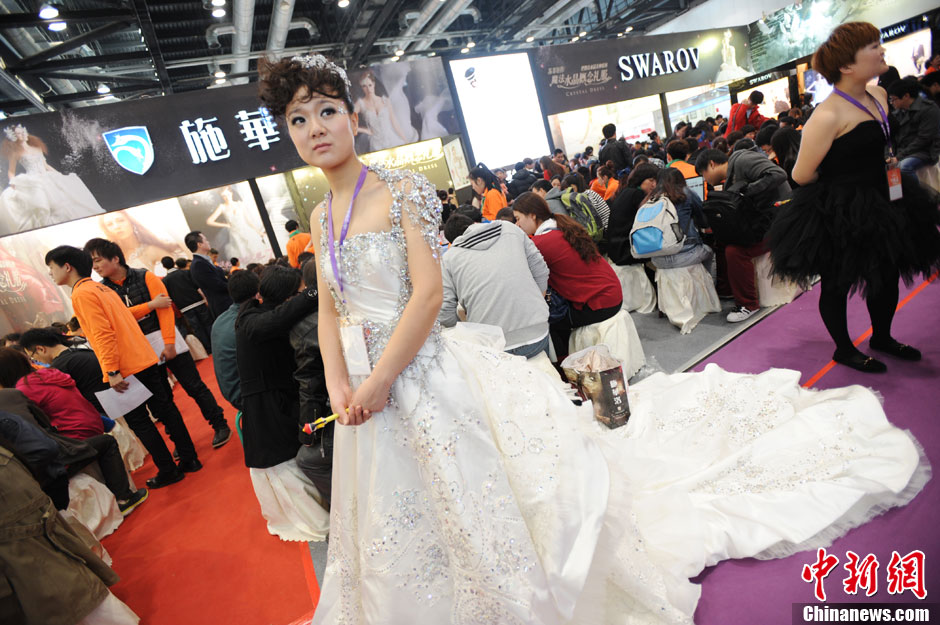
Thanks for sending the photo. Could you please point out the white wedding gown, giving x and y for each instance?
(43, 197)
(482, 495)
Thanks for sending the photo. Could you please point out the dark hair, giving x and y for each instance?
(553, 168)
(903, 87)
(588, 150)
(889, 77)
(483, 172)
(709, 156)
(64, 255)
(677, 148)
(734, 137)
(74, 325)
(584, 171)
(643, 171)
(671, 183)
(606, 172)
(291, 225)
(747, 129)
(721, 144)
(45, 337)
(743, 144)
(308, 271)
(442, 195)
(470, 211)
(192, 240)
(13, 366)
(233, 261)
(765, 134)
(574, 180)
(212, 250)
(456, 225)
(786, 145)
(574, 233)
(930, 79)
(692, 142)
(181, 263)
(841, 47)
(106, 249)
(242, 286)
(796, 113)
(505, 214)
(256, 268)
(558, 151)
(304, 257)
(542, 185)
(279, 82)
(786, 119)
(278, 283)
(756, 97)
(167, 262)
(609, 131)
(527, 161)
(12, 337)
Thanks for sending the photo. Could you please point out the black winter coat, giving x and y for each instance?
(266, 365)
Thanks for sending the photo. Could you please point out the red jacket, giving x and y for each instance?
(55, 392)
(593, 283)
(739, 117)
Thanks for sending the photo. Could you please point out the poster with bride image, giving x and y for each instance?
(39, 191)
(29, 298)
(229, 218)
(401, 103)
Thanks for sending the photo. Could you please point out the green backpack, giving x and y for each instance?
(581, 209)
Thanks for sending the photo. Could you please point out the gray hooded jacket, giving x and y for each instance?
(499, 276)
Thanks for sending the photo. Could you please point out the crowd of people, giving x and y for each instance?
(534, 255)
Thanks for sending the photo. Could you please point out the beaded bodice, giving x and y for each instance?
(374, 265)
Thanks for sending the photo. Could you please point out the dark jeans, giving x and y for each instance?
(560, 331)
(111, 464)
(316, 462)
(162, 406)
(184, 368)
(200, 320)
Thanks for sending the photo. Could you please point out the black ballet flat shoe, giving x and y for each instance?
(895, 348)
(860, 362)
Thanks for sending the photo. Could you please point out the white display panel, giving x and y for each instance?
(909, 53)
(500, 108)
(572, 131)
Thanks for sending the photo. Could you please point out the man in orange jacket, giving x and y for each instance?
(123, 351)
(297, 242)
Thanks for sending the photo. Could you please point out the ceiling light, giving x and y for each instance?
(103, 88)
(48, 11)
(342, 4)
(620, 34)
(57, 26)
(464, 50)
(471, 44)
(396, 57)
(529, 39)
(582, 33)
(218, 12)
(433, 54)
(399, 52)
(218, 3)
(219, 73)
(575, 38)
(628, 30)
(220, 81)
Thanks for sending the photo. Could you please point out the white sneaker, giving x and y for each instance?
(740, 314)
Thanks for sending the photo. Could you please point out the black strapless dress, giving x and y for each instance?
(845, 228)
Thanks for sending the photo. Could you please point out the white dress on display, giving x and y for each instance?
(480, 494)
(383, 133)
(42, 197)
(246, 238)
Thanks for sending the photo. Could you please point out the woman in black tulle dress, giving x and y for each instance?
(841, 224)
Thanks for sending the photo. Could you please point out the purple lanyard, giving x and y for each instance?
(345, 230)
(885, 127)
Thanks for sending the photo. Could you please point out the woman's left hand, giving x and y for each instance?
(370, 397)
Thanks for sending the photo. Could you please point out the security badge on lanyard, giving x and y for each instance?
(891, 167)
(352, 337)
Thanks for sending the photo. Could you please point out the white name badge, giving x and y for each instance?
(894, 184)
(354, 350)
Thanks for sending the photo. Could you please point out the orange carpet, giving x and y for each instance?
(199, 551)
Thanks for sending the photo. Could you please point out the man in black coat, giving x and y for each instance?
(188, 299)
(614, 150)
(523, 178)
(209, 278)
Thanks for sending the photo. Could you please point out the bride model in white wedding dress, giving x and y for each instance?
(41, 196)
(467, 488)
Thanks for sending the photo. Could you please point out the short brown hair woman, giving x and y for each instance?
(841, 224)
(577, 271)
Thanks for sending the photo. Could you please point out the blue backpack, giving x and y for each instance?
(656, 230)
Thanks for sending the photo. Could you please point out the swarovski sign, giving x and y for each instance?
(581, 75)
(651, 64)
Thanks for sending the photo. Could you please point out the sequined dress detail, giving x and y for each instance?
(482, 495)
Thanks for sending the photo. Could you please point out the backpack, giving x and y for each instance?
(581, 209)
(733, 218)
(656, 230)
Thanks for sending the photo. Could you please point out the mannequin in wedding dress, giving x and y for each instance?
(41, 196)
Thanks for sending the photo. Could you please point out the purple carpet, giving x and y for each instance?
(746, 592)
